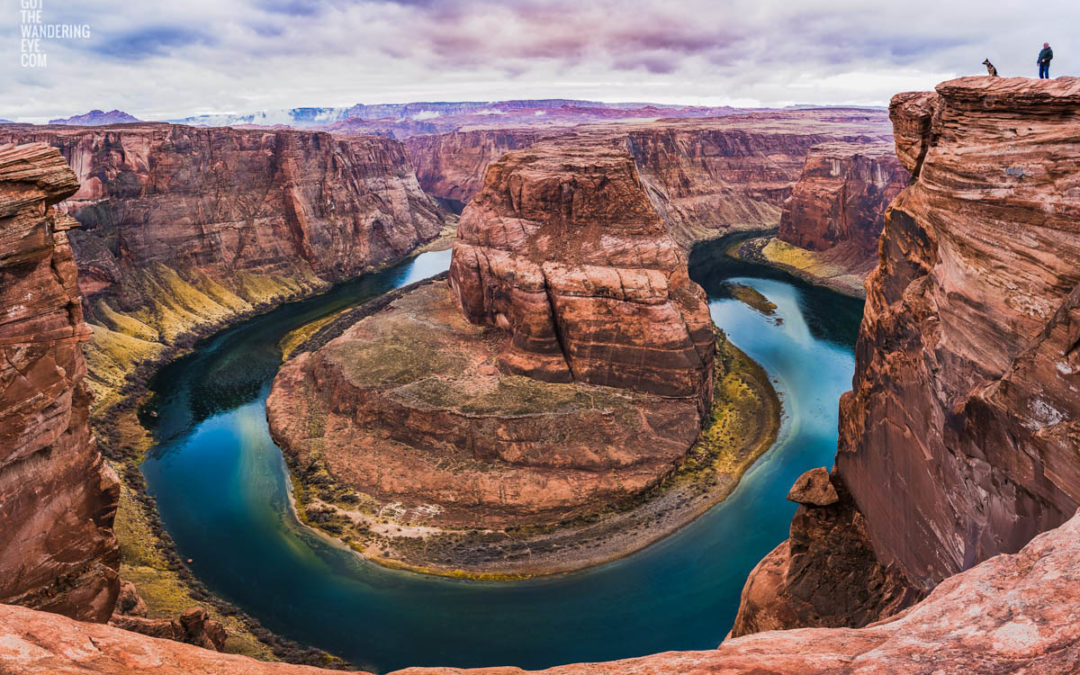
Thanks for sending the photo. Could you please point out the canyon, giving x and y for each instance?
(959, 440)
(185, 229)
(705, 177)
(566, 364)
(944, 538)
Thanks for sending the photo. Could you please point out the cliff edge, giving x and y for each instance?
(960, 438)
(57, 549)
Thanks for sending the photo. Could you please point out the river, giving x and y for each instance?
(222, 491)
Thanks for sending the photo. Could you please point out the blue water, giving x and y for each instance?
(221, 488)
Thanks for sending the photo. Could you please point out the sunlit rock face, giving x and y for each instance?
(57, 497)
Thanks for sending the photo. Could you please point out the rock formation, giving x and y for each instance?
(583, 378)
(58, 498)
(959, 441)
(564, 250)
(184, 228)
(840, 198)
(706, 177)
(1012, 613)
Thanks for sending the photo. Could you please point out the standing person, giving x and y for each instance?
(1044, 61)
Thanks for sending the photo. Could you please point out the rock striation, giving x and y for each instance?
(185, 228)
(959, 441)
(840, 198)
(452, 166)
(567, 364)
(705, 177)
(563, 250)
(1012, 613)
(57, 496)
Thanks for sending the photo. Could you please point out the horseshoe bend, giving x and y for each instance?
(546, 393)
(563, 395)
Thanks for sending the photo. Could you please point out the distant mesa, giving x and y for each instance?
(96, 118)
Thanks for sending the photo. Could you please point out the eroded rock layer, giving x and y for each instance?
(185, 228)
(1012, 613)
(961, 439)
(57, 497)
(706, 177)
(564, 250)
(840, 198)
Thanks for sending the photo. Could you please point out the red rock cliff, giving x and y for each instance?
(706, 177)
(564, 250)
(186, 228)
(57, 497)
(840, 198)
(960, 439)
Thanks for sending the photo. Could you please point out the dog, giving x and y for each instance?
(990, 68)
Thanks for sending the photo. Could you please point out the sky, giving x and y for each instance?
(161, 60)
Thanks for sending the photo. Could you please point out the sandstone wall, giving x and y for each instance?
(960, 439)
(564, 250)
(840, 198)
(187, 228)
(57, 497)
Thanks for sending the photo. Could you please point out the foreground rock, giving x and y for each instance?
(185, 229)
(58, 498)
(959, 441)
(1013, 613)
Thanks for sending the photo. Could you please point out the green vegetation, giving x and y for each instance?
(752, 297)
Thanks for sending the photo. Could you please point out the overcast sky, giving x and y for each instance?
(161, 60)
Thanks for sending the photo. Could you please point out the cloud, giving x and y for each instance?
(160, 60)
